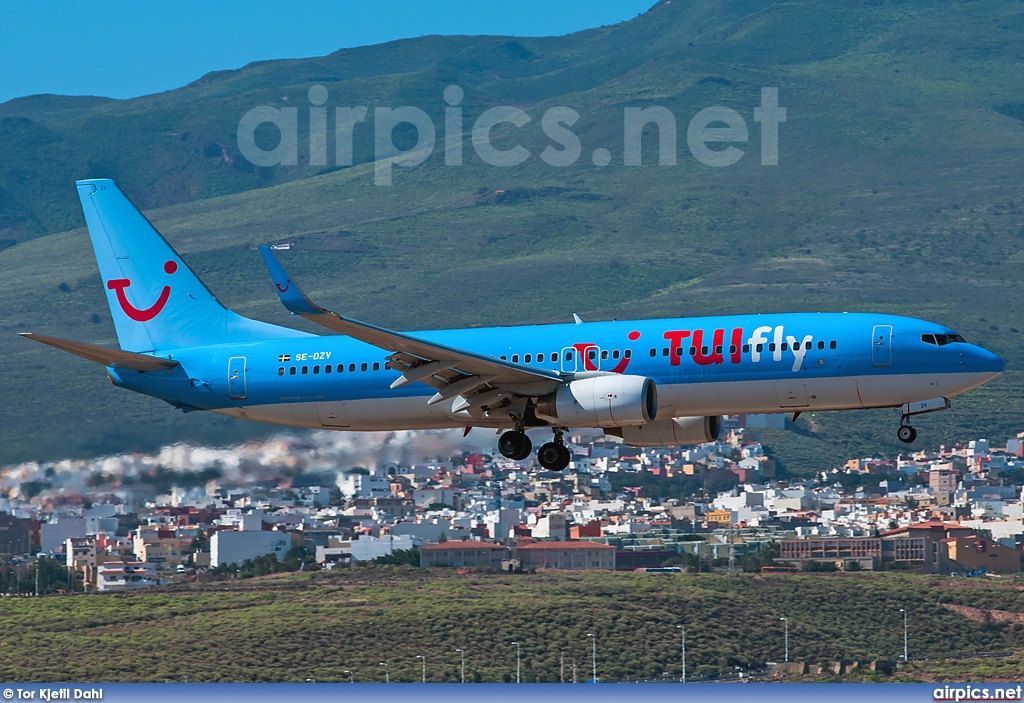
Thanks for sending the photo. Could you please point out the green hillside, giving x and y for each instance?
(898, 190)
(320, 625)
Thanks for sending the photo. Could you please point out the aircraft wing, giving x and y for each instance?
(116, 358)
(483, 382)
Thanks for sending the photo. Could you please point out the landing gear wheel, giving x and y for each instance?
(515, 445)
(554, 456)
(906, 434)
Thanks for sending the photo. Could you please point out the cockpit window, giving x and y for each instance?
(942, 339)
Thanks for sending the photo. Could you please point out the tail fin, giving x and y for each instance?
(156, 300)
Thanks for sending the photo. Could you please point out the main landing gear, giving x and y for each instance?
(554, 456)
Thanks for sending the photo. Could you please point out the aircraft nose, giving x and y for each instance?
(984, 361)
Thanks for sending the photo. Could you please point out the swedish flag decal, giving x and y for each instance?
(285, 357)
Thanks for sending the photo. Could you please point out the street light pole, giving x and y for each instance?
(593, 641)
(517, 660)
(786, 620)
(387, 676)
(682, 629)
(424, 659)
(462, 653)
(904, 611)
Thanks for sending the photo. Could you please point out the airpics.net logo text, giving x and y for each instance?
(712, 134)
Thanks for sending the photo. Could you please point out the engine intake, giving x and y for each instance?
(602, 401)
(673, 432)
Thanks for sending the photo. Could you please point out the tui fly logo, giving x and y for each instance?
(583, 351)
(287, 285)
(118, 285)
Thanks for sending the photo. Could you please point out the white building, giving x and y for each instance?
(125, 575)
(368, 548)
(228, 547)
(362, 486)
(53, 535)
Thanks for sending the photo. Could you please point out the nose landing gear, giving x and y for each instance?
(906, 433)
(554, 456)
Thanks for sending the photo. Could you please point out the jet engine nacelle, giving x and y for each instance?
(673, 432)
(602, 401)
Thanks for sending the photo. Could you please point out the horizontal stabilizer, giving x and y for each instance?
(102, 355)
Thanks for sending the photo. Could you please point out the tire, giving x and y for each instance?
(549, 456)
(906, 434)
(515, 445)
(564, 457)
(526, 449)
(510, 444)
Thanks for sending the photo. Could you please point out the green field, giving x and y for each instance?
(318, 625)
(898, 190)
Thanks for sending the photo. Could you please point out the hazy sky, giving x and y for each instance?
(125, 48)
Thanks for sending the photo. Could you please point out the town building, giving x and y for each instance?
(236, 547)
(125, 576)
(464, 553)
(573, 556)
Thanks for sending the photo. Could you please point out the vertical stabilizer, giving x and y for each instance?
(156, 300)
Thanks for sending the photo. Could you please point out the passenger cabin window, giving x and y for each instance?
(746, 348)
(664, 351)
(528, 359)
(615, 353)
(604, 353)
(291, 371)
(568, 356)
(592, 354)
(351, 368)
(316, 369)
(376, 366)
(504, 358)
(654, 352)
(628, 353)
(515, 358)
(280, 371)
(327, 369)
(363, 366)
(305, 369)
(821, 344)
(832, 344)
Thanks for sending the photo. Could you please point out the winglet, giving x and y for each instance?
(577, 319)
(292, 297)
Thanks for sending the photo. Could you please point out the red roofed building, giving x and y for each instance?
(571, 556)
(467, 553)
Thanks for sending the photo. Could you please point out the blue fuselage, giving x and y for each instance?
(707, 365)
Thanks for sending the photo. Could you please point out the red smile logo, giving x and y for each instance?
(119, 284)
(287, 285)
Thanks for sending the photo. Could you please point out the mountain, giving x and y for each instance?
(897, 190)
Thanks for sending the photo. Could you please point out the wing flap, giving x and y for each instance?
(116, 358)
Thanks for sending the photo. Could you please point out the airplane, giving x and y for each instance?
(655, 382)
